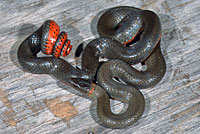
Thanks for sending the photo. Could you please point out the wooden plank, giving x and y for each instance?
(35, 104)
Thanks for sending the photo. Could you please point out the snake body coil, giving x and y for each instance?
(117, 26)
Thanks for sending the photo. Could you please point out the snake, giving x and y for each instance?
(128, 36)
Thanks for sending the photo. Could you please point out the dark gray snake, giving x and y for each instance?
(116, 26)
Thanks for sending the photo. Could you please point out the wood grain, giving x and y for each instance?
(39, 104)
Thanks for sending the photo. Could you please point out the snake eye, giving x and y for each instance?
(52, 42)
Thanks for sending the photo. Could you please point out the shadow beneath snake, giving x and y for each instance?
(93, 24)
(148, 106)
(164, 46)
(24, 31)
(166, 43)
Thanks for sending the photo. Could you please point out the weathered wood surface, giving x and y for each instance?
(35, 104)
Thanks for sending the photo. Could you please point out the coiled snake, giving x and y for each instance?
(117, 26)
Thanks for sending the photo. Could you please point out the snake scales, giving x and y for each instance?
(118, 28)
